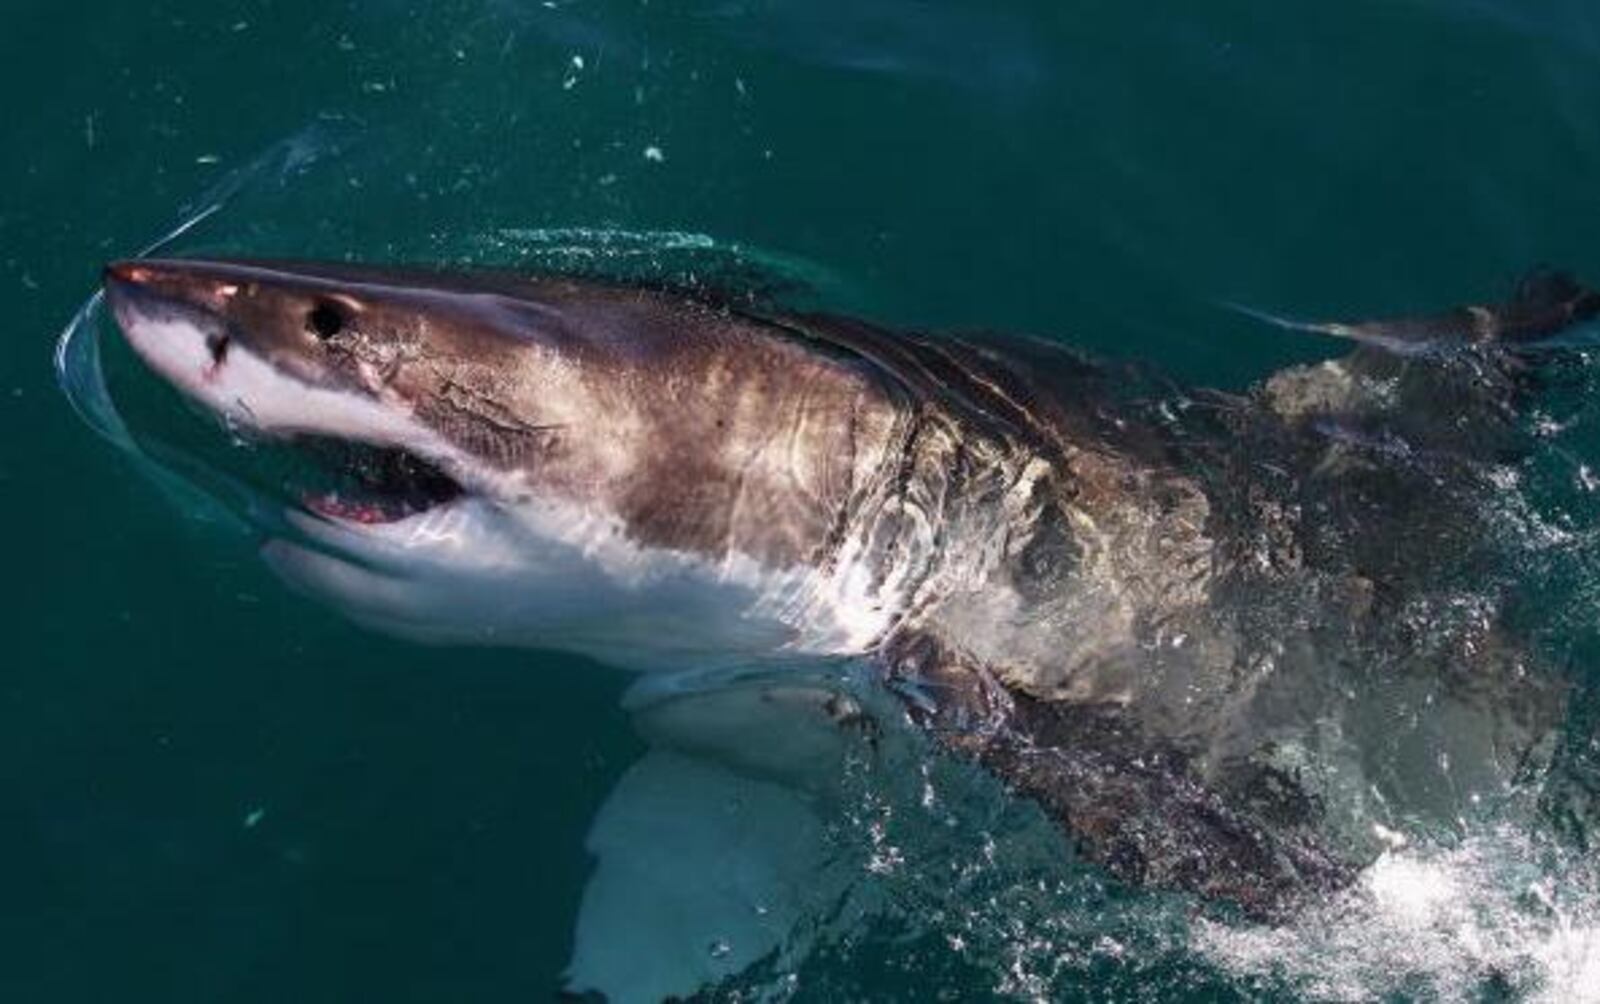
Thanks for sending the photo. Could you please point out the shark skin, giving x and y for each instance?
(1129, 601)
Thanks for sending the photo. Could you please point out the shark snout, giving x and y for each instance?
(139, 293)
(131, 299)
(175, 283)
(173, 325)
(125, 272)
(122, 279)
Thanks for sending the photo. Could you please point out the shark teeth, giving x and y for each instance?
(332, 506)
(373, 484)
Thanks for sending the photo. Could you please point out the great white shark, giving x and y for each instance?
(1128, 600)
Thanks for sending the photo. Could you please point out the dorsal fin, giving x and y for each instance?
(1544, 303)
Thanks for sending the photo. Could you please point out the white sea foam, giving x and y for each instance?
(1436, 924)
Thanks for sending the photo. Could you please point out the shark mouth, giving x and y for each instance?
(333, 453)
(361, 483)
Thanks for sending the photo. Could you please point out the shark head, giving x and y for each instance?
(630, 474)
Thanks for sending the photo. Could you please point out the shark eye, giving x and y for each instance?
(325, 320)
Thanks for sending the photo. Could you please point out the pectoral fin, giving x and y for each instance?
(712, 852)
(699, 873)
(1132, 804)
(1142, 812)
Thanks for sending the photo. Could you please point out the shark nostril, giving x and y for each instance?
(217, 345)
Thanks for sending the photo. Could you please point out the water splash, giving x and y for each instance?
(1497, 911)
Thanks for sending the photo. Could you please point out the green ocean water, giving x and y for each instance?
(214, 790)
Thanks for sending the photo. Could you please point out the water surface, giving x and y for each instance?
(219, 791)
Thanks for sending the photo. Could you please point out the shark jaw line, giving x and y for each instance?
(381, 465)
